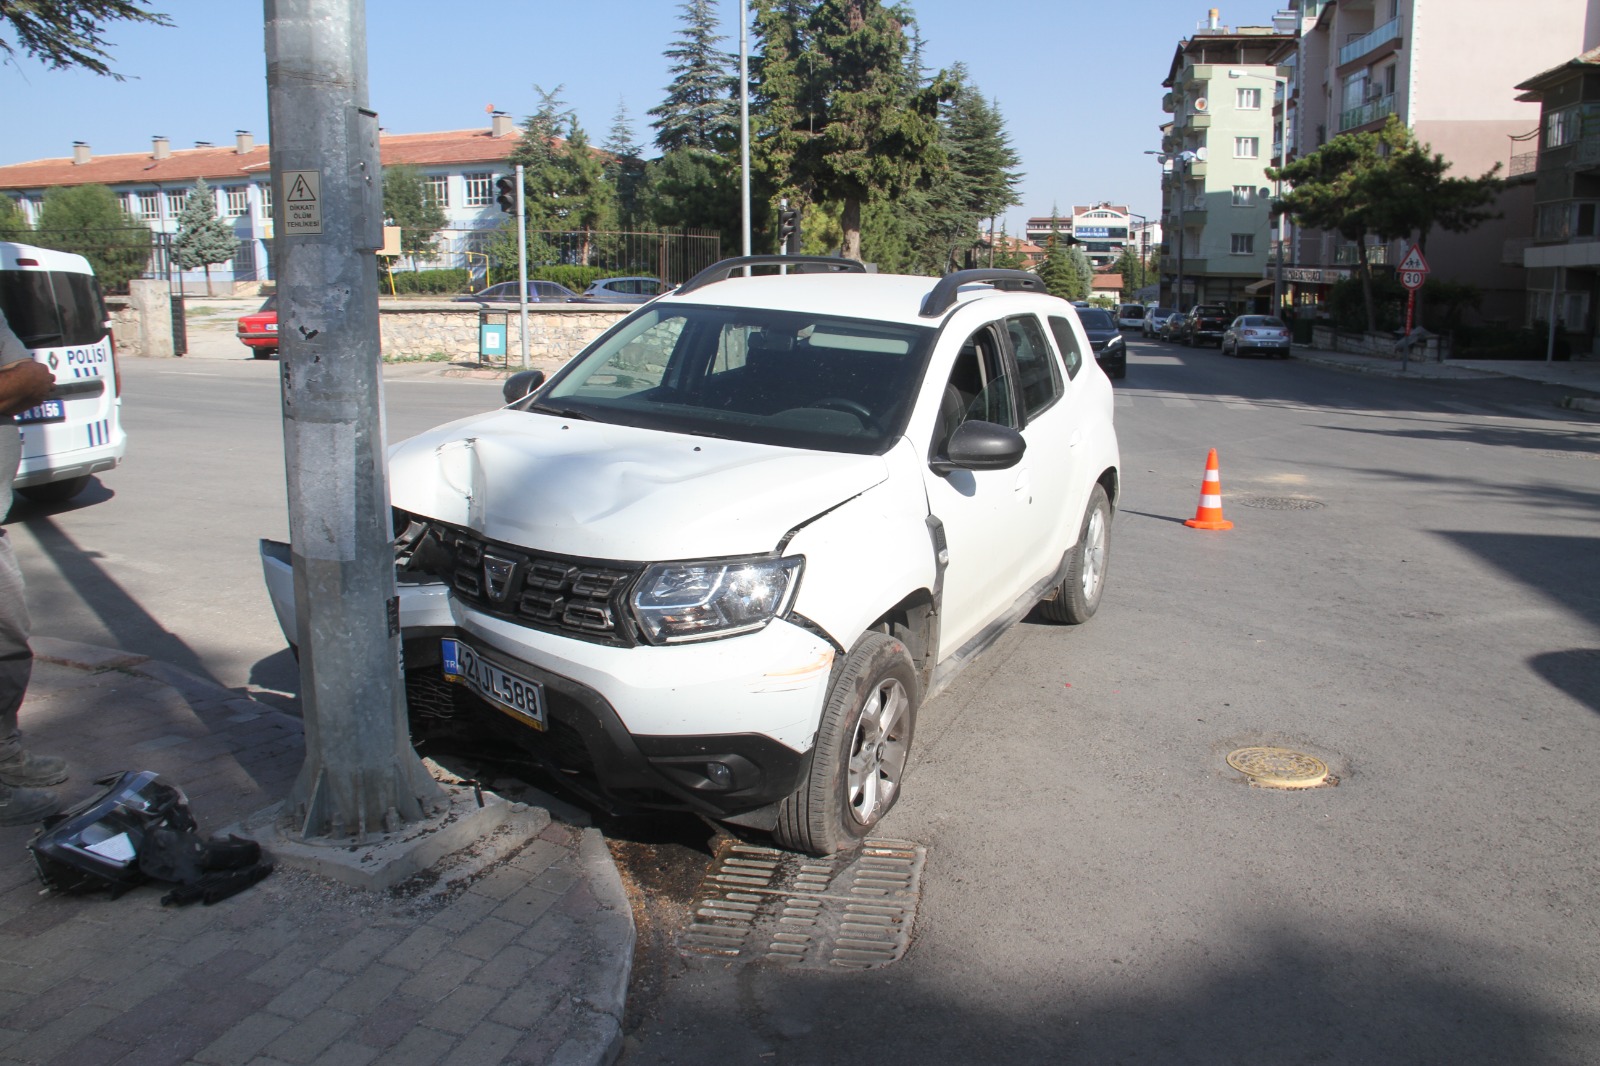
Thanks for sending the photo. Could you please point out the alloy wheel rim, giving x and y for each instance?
(878, 752)
(1094, 554)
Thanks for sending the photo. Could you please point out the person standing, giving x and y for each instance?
(24, 798)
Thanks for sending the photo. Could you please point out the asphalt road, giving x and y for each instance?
(1411, 592)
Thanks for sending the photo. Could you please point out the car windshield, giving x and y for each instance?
(1264, 320)
(1093, 319)
(768, 377)
(1162, 312)
(1204, 310)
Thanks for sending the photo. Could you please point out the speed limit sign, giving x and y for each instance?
(1412, 279)
(1413, 269)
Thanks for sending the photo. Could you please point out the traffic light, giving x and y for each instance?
(506, 194)
(789, 230)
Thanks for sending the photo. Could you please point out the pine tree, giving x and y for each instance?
(624, 168)
(67, 33)
(202, 239)
(700, 110)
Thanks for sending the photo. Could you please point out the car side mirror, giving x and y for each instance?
(520, 384)
(979, 445)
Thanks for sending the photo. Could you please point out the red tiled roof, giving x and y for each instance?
(1107, 281)
(224, 164)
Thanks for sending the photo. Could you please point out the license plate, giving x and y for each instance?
(517, 696)
(272, 327)
(49, 411)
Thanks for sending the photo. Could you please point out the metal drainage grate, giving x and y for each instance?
(853, 911)
(1280, 503)
(1281, 768)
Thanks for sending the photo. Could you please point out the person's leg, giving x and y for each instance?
(20, 773)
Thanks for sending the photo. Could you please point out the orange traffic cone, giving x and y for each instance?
(1209, 514)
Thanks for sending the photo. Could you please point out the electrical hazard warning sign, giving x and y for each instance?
(302, 201)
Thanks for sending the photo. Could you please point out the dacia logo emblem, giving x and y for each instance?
(54, 362)
(497, 574)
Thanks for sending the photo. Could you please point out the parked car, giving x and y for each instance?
(1130, 316)
(1110, 349)
(52, 302)
(1154, 318)
(720, 559)
(1249, 334)
(258, 330)
(624, 290)
(547, 292)
(1203, 323)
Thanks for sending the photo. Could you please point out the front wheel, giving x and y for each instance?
(1078, 596)
(860, 756)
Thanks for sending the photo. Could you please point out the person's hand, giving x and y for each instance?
(24, 385)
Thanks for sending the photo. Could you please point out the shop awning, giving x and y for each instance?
(1257, 287)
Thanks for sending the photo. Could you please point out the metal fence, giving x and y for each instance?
(671, 255)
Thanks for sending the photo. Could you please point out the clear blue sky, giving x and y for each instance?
(1078, 83)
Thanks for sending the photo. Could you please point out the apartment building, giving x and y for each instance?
(1449, 71)
(1224, 93)
(1102, 230)
(459, 165)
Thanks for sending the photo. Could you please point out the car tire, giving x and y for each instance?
(859, 760)
(264, 353)
(55, 491)
(1078, 596)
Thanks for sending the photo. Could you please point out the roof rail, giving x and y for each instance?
(803, 264)
(943, 295)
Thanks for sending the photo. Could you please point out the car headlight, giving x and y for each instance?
(678, 602)
(1115, 344)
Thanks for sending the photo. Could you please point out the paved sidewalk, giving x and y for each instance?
(1582, 376)
(516, 950)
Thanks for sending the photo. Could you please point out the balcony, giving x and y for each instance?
(1345, 255)
(1368, 43)
(1522, 163)
(1371, 111)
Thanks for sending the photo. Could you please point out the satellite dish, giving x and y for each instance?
(1200, 104)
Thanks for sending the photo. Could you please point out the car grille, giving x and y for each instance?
(556, 594)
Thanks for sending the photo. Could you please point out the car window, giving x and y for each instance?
(751, 374)
(977, 388)
(1037, 374)
(1093, 319)
(1067, 341)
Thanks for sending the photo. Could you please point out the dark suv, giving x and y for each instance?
(1205, 323)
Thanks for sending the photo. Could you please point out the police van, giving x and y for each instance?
(52, 302)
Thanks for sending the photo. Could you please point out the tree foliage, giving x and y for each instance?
(700, 110)
(203, 240)
(407, 204)
(89, 220)
(69, 33)
(13, 223)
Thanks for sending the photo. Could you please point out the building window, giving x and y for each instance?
(238, 199)
(480, 190)
(1244, 244)
(1244, 195)
(1247, 99)
(175, 202)
(1561, 127)
(265, 189)
(149, 205)
(439, 191)
(1247, 147)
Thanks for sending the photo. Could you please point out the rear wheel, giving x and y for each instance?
(55, 491)
(860, 754)
(1078, 595)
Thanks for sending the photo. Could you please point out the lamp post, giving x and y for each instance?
(1283, 155)
(1182, 163)
(1142, 248)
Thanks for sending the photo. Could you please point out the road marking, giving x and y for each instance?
(1176, 401)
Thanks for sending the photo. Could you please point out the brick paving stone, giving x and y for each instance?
(46, 1043)
(311, 1035)
(487, 1043)
(367, 989)
(244, 1040)
(527, 906)
(528, 1006)
(307, 994)
(390, 1020)
(487, 938)
(508, 967)
(91, 1049)
(463, 1008)
(173, 1045)
(130, 991)
(499, 884)
(419, 1047)
(416, 950)
(40, 1011)
(362, 949)
(447, 970)
(463, 912)
(538, 856)
(346, 1053)
(201, 950)
(287, 966)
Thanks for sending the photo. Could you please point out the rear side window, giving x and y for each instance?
(52, 309)
(1036, 366)
(1067, 341)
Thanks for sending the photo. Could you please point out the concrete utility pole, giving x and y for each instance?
(360, 775)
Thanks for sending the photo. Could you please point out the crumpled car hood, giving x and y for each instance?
(600, 491)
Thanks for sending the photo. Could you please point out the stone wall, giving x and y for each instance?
(556, 332)
(1432, 349)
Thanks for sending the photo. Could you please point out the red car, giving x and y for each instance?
(259, 330)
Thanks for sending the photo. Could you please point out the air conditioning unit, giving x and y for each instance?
(1200, 105)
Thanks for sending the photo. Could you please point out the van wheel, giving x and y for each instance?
(55, 491)
(1078, 595)
(860, 756)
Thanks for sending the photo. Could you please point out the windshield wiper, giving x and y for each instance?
(560, 412)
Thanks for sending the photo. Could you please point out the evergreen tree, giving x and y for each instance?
(1078, 259)
(545, 179)
(408, 204)
(67, 33)
(202, 239)
(624, 166)
(692, 189)
(89, 220)
(1057, 272)
(13, 223)
(700, 110)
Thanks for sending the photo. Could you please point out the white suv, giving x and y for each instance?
(718, 561)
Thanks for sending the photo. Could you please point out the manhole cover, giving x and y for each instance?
(1280, 768)
(1280, 503)
(853, 911)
